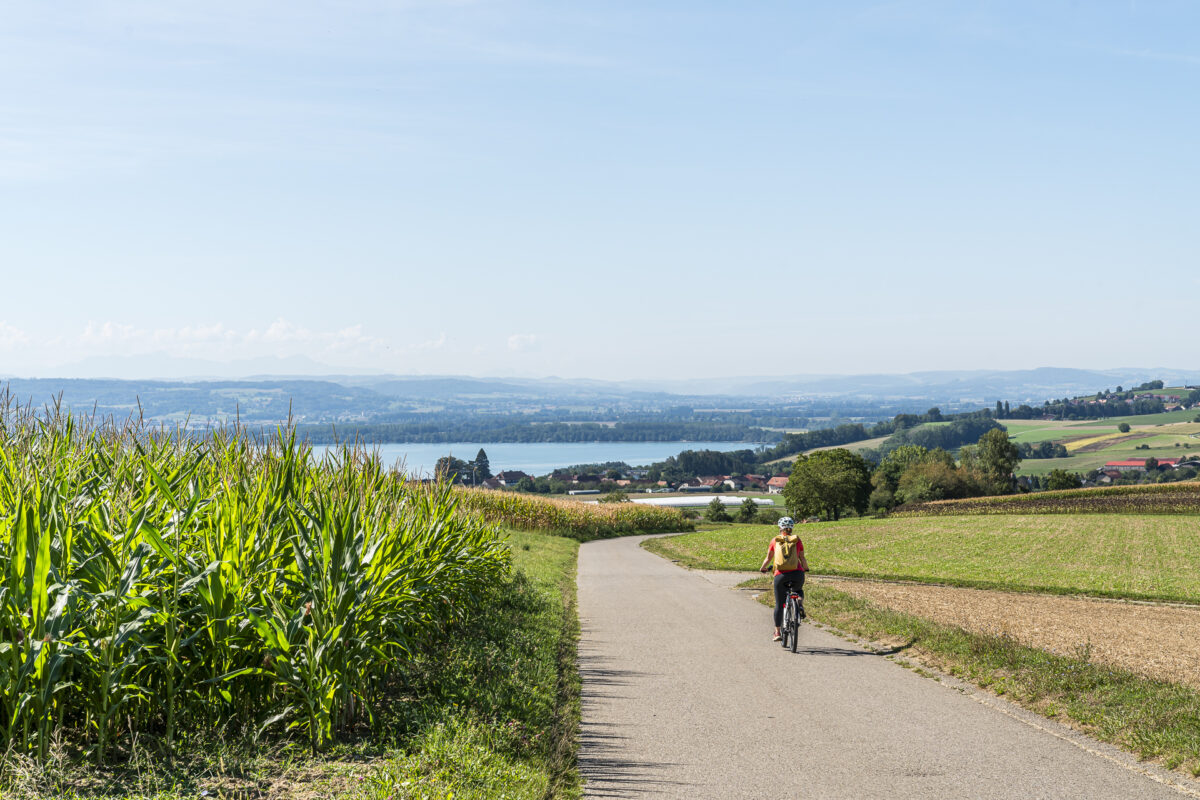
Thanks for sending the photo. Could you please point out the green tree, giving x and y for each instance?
(616, 496)
(450, 469)
(748, 510)
(481, 467)
(716, 511)
(1123, 427)
(827, 482)
(932, 480)
(998, 458)
(887, 474)
(1061, 479)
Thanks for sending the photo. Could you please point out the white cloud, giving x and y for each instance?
(12, 336)
(283, 331)
(212, 340)
(432, 344)
(521, 341)
(106, 333)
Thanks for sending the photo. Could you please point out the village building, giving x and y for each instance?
(1135, 464)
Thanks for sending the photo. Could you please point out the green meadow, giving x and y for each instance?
(1110, 555)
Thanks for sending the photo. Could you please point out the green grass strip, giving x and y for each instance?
(508, 699)
(1144, 557)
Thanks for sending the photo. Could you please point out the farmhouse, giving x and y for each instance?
(511, 477)
(776, 484)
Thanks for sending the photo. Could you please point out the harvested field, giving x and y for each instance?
(1093, 444)
(1159, 498)
(1159, 641)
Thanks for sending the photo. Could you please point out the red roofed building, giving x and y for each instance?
(776, 484)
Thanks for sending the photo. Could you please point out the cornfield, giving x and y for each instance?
(581, 521)
(1159, 498)
(152, 585)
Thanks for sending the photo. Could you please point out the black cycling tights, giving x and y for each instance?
(783, 582)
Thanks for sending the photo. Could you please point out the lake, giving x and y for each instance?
(539, 458)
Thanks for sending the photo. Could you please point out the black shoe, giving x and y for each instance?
(800, 608)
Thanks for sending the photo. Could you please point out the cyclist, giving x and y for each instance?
(789, 574)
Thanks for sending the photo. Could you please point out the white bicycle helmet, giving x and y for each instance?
(786, 522)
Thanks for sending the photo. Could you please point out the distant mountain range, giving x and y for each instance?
(1043, 383)
(365, 398)
(984, 386)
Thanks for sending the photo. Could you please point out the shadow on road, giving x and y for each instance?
(604, 762)
(853, 651)
(608, 774)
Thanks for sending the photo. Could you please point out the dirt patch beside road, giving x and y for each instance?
(1159, 641)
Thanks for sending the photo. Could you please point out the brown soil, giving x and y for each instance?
(1159, 641)
(1104, 444)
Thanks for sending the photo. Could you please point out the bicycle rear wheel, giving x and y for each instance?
(795, 625)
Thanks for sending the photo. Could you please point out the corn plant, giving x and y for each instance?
(154, 583)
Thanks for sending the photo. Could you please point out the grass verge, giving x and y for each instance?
(506, 703)
(1156, 720)
(1129, 556)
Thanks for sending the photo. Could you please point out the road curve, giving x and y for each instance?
(685, 695)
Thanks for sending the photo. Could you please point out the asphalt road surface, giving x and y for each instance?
(685, 695)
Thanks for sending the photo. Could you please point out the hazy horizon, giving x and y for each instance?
(259, 369)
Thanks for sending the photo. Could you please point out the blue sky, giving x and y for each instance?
(609, 190)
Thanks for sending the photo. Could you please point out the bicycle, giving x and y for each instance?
(793, 615)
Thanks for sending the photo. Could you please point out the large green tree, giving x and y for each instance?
(748, 510)
(451, 469)
(480, 466)
(998, 458)
(1061, 479)
(715, 512)
(827, 482)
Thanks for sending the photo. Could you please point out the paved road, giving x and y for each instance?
(684, 695)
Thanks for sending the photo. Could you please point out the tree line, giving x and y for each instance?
(830, 482)
(484, 430)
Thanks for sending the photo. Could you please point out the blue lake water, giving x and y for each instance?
(539, 458)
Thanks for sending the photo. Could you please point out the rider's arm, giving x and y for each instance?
(803, 562)
(766, 560)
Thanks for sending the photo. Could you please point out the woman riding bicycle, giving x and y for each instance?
(790, 566)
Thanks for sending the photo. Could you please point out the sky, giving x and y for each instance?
(609, 190)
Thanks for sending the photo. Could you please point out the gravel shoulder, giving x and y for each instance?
(1156, 640)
